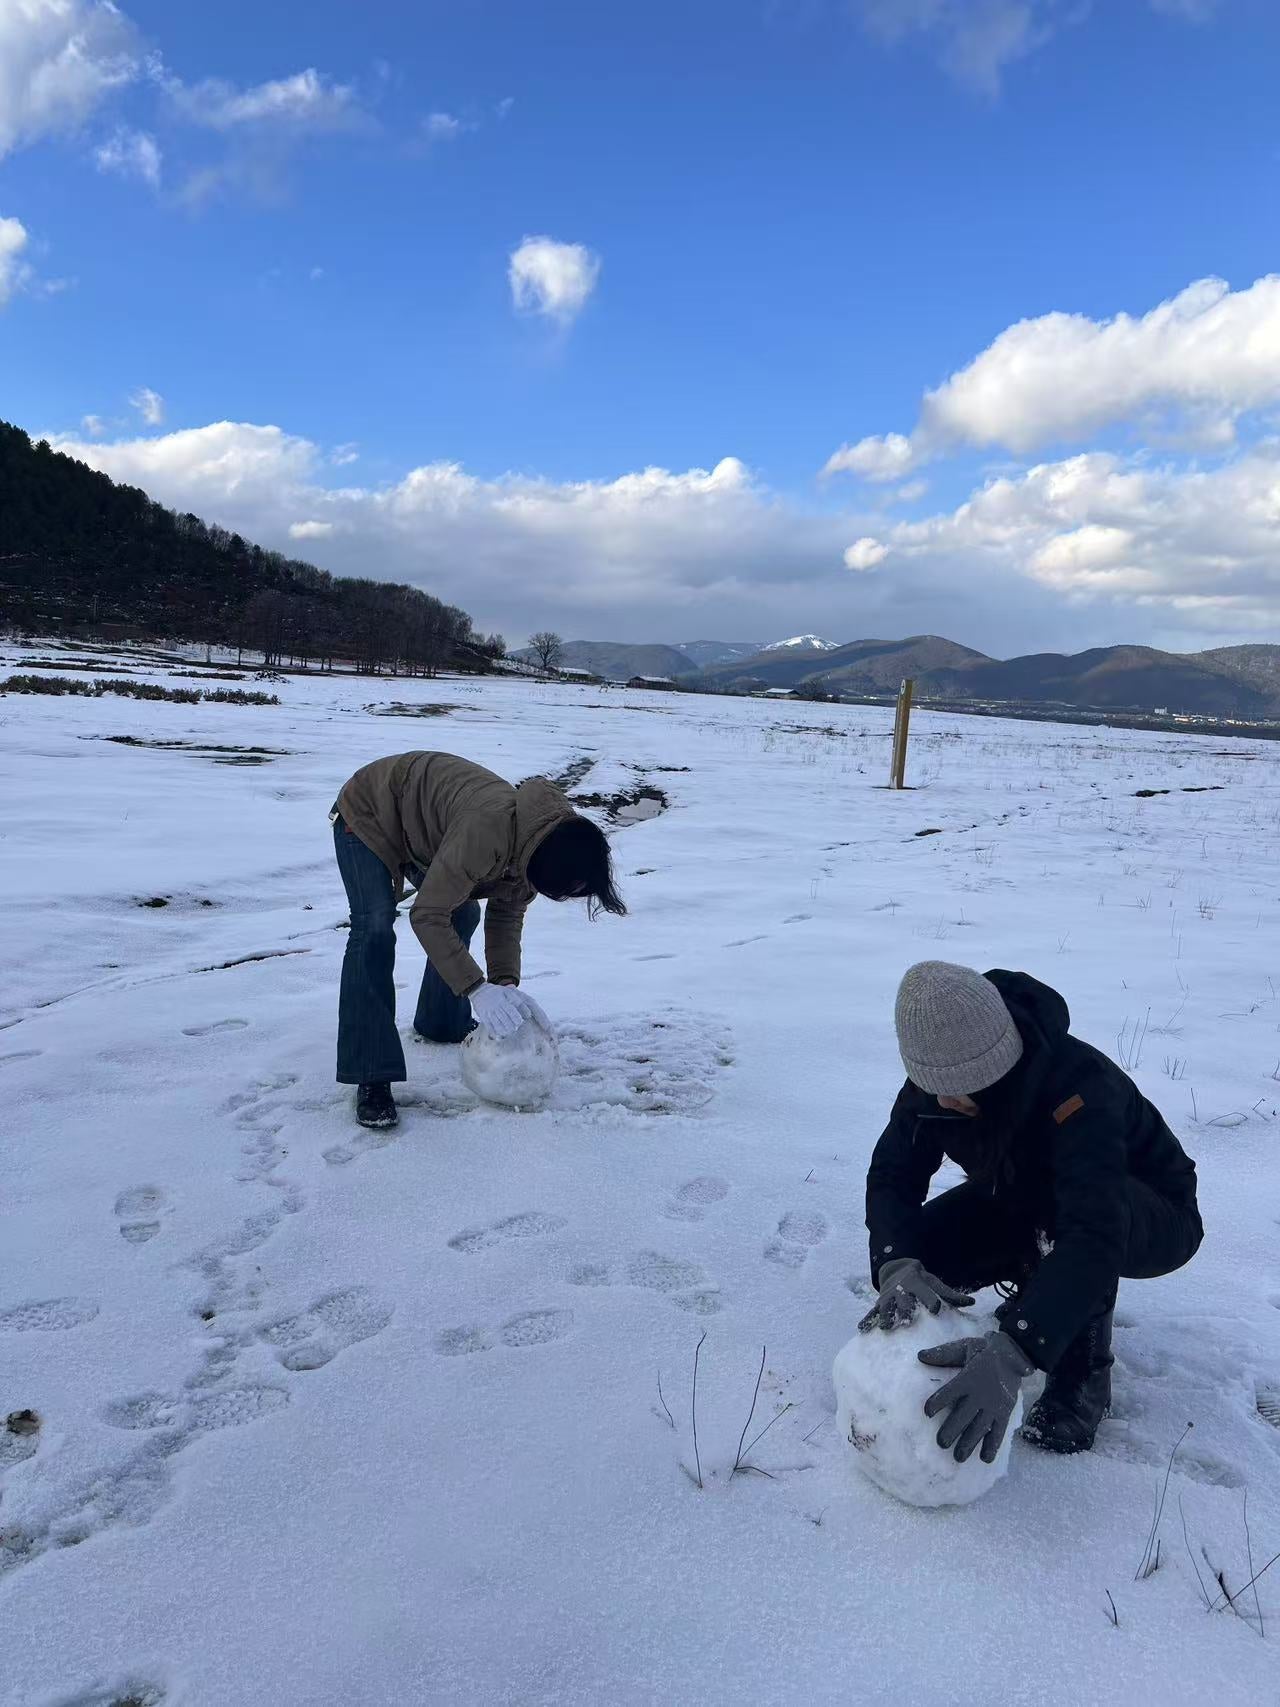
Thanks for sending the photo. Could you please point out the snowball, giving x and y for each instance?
(881, 1388)
(518, 1071)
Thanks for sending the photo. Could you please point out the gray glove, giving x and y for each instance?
(904, 1285)
(981, 1398)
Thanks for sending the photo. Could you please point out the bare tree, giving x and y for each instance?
(547, 648)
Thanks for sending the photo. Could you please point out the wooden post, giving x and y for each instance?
(901, 729)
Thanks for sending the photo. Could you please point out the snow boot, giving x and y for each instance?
(375, 1106)
(1077, 1393)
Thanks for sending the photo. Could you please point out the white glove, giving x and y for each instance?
(499, 1009)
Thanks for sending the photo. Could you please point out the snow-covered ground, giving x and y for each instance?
(333, 1420)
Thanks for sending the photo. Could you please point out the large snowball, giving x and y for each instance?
(881, 1387)
(518, 1071)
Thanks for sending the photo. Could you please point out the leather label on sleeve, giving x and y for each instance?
(1065, 1110)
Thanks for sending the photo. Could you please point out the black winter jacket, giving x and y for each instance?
(1054, 1139)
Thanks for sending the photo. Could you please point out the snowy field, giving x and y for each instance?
(335, 1418)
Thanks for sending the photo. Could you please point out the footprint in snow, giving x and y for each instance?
(216, 1026)
(315, 1336)
(692, 1200)
(685, 1283)
(1117, 1440)
(138, 1210)
(744, 941)
(531, 1327)
(798, 1232)
(531, 1224)
(199, 1413)
(49, 1315)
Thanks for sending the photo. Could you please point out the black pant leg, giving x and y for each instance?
(1162, 1236)
(971, 1239)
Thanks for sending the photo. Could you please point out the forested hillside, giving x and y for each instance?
(76, 549)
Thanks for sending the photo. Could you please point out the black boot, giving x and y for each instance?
(1077, 1393)
(375, 1106)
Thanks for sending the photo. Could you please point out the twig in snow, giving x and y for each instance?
(782, 1413)
(694, 1407)
(1150, 1565)
(737, 1462)
(1248, 1546)
(808, 1437)
(1115, 1616)
(1194, 1566)
(664, 1403)
(1253, 1579)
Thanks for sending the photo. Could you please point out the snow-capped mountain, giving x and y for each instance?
(804, 643)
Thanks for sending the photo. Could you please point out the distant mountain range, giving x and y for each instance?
(1228, 681)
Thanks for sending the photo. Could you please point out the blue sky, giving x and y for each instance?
(774, 228)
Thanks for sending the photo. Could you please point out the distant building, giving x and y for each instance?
(662, 683)
(585, 677)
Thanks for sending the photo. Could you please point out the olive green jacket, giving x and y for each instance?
(472, 834)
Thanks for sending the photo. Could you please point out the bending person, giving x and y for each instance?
(1074, 1181)
(459, 835)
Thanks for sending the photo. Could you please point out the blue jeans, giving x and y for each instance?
(369, 1047)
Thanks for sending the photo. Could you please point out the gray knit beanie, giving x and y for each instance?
(954, 1031)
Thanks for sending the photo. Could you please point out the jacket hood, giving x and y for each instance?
(1039, 1013)
(1043, 1020)
(540, 806)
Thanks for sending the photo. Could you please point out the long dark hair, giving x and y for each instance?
(573, 862)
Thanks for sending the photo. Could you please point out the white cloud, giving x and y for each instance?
(865, 553)
(94, 425)
(442, 127)
(309, 101)
(550, 278)
(149, 404)
(15, 271)
(1199, 361)
(341, 455)
(131, 154)
(910, 493)
(1084, 551)
(1095, 528)
(59, 59)
(975, 41)
(880, 458)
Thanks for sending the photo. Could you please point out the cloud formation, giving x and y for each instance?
(442, 127)
(130, 154)
(308, 102)
(59, 59)
(553, 279)
(1198, 363)
(1162, 542)
(149, 404)
(975, 41)
(15, 270)
(1088, 549)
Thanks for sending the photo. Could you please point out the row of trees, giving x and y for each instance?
(78, 552)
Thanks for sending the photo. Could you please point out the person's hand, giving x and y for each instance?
(905, 1284)
(979, 1401)
(500, 1009)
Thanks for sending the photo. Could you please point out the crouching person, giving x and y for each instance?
(1074, 1181)
(459, 835)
